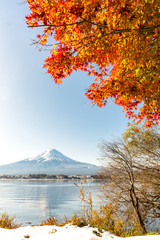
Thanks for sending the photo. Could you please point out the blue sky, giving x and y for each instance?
(36, 114)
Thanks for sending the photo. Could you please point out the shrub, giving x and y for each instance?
(8, 222)
(50, 221)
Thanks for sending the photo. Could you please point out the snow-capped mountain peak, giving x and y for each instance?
(49, 155)
(52, 154)
(50, 162)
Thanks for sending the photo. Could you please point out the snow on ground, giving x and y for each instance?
(67, 232)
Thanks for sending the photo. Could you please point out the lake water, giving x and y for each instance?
(33, 201)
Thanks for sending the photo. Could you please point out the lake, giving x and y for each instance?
(33, 201)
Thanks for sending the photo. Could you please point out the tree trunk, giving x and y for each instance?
(135, 204)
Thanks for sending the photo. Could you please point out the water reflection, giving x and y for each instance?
(33, 201)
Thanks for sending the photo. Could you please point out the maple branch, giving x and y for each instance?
(55, 25)
(123, 30)
(114, 31)
(103, 33)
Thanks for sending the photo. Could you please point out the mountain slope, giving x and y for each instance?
(49, 162)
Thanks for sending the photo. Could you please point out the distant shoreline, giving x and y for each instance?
(46, 177)
(49, 180)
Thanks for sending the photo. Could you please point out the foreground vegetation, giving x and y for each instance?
(105, 218)
(8, 222)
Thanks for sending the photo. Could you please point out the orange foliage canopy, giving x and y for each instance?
(116, 41)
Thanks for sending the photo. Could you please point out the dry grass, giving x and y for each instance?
(8, 222)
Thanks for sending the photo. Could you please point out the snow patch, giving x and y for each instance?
(67, 232)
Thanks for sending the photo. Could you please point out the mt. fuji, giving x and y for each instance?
(49, 162)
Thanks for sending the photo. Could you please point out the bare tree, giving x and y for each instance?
(145, 144)
(133, 164)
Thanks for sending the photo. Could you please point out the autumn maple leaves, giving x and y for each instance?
(117, 42)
